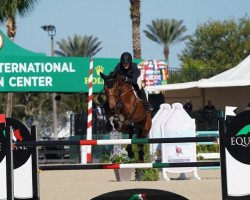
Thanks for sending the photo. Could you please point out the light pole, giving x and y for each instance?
(51, 29)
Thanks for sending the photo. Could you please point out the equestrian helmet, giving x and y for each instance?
(126, 57)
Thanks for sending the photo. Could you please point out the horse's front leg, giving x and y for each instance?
(108, 126)
(141, 152)
(108, 115)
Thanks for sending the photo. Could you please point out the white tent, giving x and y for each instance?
(231, 87)
(234, 77)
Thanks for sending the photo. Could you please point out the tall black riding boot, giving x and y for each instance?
(143, 97)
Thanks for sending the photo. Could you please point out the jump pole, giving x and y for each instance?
(86, 155)
(126, 166)
(118, 141)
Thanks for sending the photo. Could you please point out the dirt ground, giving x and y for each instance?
(86, 184)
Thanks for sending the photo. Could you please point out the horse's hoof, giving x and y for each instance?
(108, 127)
(121, 117)
(116, 126)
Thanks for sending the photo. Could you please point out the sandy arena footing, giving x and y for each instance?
(86, 184)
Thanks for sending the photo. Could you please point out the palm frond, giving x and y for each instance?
(85, 46)
(165, 31)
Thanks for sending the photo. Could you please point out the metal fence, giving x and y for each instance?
(207, 124)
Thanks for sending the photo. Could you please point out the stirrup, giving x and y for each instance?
(148, 106)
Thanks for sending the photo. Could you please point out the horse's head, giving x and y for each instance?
(110, 87)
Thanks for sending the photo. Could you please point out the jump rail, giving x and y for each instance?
(119, 141)
(131, 165)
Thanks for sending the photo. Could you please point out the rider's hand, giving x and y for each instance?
(123, 78)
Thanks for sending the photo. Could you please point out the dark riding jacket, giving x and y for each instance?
(132, 73)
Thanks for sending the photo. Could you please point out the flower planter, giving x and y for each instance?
(123, 174)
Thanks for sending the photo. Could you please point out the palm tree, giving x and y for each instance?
(86, 46)
(135, 16)
(166, 32)
(8, 11)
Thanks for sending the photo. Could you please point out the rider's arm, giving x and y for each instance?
(116, 69)
(136, 74)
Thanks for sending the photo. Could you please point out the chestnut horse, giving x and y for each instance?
(126, 109)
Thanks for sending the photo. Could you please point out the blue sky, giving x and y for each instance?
(109, 20)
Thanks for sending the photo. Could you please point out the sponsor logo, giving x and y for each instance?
(99, 69)
(178, 150)
(17, 135)
(96, 80)
(20, 133)
(238, 137)
(138, 197)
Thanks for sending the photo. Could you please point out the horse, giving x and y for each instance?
(127, 110)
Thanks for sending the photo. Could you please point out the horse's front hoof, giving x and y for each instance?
(108, 127)
(116, 125)
(121, 117)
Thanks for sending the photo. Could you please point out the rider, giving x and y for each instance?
(130, 73)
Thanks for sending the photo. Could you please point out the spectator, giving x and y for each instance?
(188, 107)
(98, 119)
(209, 114)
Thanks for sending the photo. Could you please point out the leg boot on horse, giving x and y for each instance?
(141, 146)
(141, 152)
(129, 149)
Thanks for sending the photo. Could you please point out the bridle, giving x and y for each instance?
(116, 93)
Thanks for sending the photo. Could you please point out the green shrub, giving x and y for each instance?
(145, 174)
(121, 157)
(214, 148)
(150, 174)
(105, 158)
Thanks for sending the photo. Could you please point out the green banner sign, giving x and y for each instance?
(43, 74)
(52, 74)
(25, 71)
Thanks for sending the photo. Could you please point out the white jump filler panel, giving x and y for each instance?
(178, 124)
(155, 131)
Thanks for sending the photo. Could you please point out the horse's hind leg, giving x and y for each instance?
(129, 149)
(141, 152)
(140, 146)
(140, 149)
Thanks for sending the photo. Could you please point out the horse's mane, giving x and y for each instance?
(112, 78)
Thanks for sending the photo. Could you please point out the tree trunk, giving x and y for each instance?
(136, 21)
(9, 104)
(166, 53)
(11, 28)
(11, 32)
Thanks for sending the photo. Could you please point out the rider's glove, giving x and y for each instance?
(124, 78)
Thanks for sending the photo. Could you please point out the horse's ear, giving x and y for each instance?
(104, 77)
